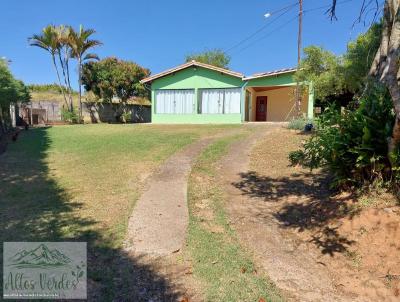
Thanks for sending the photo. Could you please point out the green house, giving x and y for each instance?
(200, 93)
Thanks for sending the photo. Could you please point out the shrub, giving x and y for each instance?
(298, 123)
(69, 116)
(126, 117)
(353, 144)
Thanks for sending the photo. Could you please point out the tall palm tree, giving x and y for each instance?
(49, 41)
(62, 34)
(80, 43)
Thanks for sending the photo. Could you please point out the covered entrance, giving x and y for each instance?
(270, 97)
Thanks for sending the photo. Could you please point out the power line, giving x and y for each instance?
(267, 34)
(284, 24)
(285, 10)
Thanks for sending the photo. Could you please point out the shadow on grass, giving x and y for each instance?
(306, 204)
(33, 207)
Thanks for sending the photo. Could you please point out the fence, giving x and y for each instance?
(44, 112)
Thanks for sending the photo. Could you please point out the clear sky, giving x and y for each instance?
(157, 34)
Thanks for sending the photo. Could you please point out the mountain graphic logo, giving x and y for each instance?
(40, 257)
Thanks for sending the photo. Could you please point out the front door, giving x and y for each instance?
(261, 108)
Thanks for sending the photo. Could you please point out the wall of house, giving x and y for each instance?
(280, 104)
(195, 78)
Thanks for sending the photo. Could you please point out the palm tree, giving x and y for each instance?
(80, 43)
(62, 33)
(49, 41)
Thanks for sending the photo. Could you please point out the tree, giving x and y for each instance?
(11, 91)
(80, 44)
(359, 57)
(324, 69)
(112, 78)
(215, 57)
(334, 76)
(50, 42)
(385, 66)
(65, 43)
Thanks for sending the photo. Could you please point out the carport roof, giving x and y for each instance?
(270, 73)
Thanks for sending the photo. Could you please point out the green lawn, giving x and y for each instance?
(225, 269)
(80, 183)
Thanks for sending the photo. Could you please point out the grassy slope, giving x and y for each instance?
(226, 270)
(81, 182)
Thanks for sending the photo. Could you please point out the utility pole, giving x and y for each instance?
(298, 88)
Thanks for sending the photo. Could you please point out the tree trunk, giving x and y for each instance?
(385, 66)
(59, 80)
(71, 106)
(68, 79)
(80, 88)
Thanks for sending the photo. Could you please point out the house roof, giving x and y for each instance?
(189, 64)
(270, 73)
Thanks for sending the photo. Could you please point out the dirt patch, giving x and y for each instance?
(345, 248)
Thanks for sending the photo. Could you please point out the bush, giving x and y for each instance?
(299, 123)
(69, 116)
(353, 144)
(125, 117)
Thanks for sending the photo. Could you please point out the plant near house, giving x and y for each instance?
(352, 144)
(298, 123)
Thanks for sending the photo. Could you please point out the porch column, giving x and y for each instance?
(310, 107)
(243, 102)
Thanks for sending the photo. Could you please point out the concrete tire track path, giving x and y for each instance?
(292, 268)
(160, 218)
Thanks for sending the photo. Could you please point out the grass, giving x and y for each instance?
(80, 183)
(224, 268)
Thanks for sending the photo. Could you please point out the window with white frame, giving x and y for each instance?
(220, 101)
(174, 101)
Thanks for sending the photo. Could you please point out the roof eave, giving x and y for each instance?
(187, 65)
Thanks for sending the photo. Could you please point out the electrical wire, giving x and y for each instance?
(285, 10)
(283, 25)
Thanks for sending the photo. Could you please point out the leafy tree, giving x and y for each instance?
(359, 57)
(324, 69)
(11, 91)
(215, 57)
(113, 79)
(333, 75)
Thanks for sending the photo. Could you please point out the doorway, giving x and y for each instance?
(261, 108)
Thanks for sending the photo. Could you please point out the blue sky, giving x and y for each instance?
(157, 34)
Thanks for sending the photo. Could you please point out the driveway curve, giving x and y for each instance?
(160, 218)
